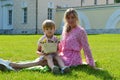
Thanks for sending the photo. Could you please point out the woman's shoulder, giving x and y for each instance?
(80, 29)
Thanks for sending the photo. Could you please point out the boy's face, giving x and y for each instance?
(49, 32)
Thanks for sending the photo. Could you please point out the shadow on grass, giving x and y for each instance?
(102, 74)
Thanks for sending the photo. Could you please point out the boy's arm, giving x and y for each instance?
(39, 52)
(57, 41)
(39, 49)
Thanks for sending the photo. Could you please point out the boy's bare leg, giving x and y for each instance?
(29, 64)
(49, 59)
(60, 62)
(64, 69)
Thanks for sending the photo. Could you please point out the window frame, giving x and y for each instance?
(50, 13)
(25, 15)
(10, 17)
(95, 2)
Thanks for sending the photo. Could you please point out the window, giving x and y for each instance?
(24, 15)
(10, 17)
(106, 1)
(50, 13)
(82, 2)
(95, 2)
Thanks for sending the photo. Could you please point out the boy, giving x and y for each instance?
(48, 27)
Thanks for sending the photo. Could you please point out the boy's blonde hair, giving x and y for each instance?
(48, 24)
(66, 14)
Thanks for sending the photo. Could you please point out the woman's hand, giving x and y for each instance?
(96, 68)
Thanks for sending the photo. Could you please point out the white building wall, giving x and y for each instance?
(4, 17)
(67, 3)
(0, 15)
(5, 6)
(45, 4)
(88, 2)
(101, 2)
(30, 26)
(111, 2)
(96, 19)
(19, 26)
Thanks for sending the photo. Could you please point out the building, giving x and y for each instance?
(26, 16)
(95, 19)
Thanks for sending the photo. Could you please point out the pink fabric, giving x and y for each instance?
(71, 45)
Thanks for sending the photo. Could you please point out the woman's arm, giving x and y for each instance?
(86, 48)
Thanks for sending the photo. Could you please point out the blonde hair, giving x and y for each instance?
(48, 24)
(69, 11)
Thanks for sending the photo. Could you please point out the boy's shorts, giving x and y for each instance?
(44, 61)
(39, 58)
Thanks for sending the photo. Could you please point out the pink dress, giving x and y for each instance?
(71, 45)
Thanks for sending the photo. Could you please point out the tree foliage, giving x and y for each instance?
(117, 1)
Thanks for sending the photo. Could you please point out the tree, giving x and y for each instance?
(117, 1)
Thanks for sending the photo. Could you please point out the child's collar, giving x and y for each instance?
(52, 38)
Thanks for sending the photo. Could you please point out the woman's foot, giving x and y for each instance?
(84, 63)
(97, 68)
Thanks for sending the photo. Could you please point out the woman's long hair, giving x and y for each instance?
(66, 27)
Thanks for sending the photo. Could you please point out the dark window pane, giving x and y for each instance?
(10, 17)
(95, 2)
(49, 13)
(25, 15)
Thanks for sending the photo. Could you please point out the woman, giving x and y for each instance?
(74, 39)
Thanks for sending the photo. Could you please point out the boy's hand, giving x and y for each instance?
(43, 53)
(40, 53)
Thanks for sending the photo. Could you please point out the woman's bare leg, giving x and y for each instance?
(29, 64)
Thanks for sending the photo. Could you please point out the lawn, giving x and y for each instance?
(105, 49)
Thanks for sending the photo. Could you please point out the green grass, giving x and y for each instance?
(105, 50)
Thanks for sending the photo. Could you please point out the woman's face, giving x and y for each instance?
(71, 20)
